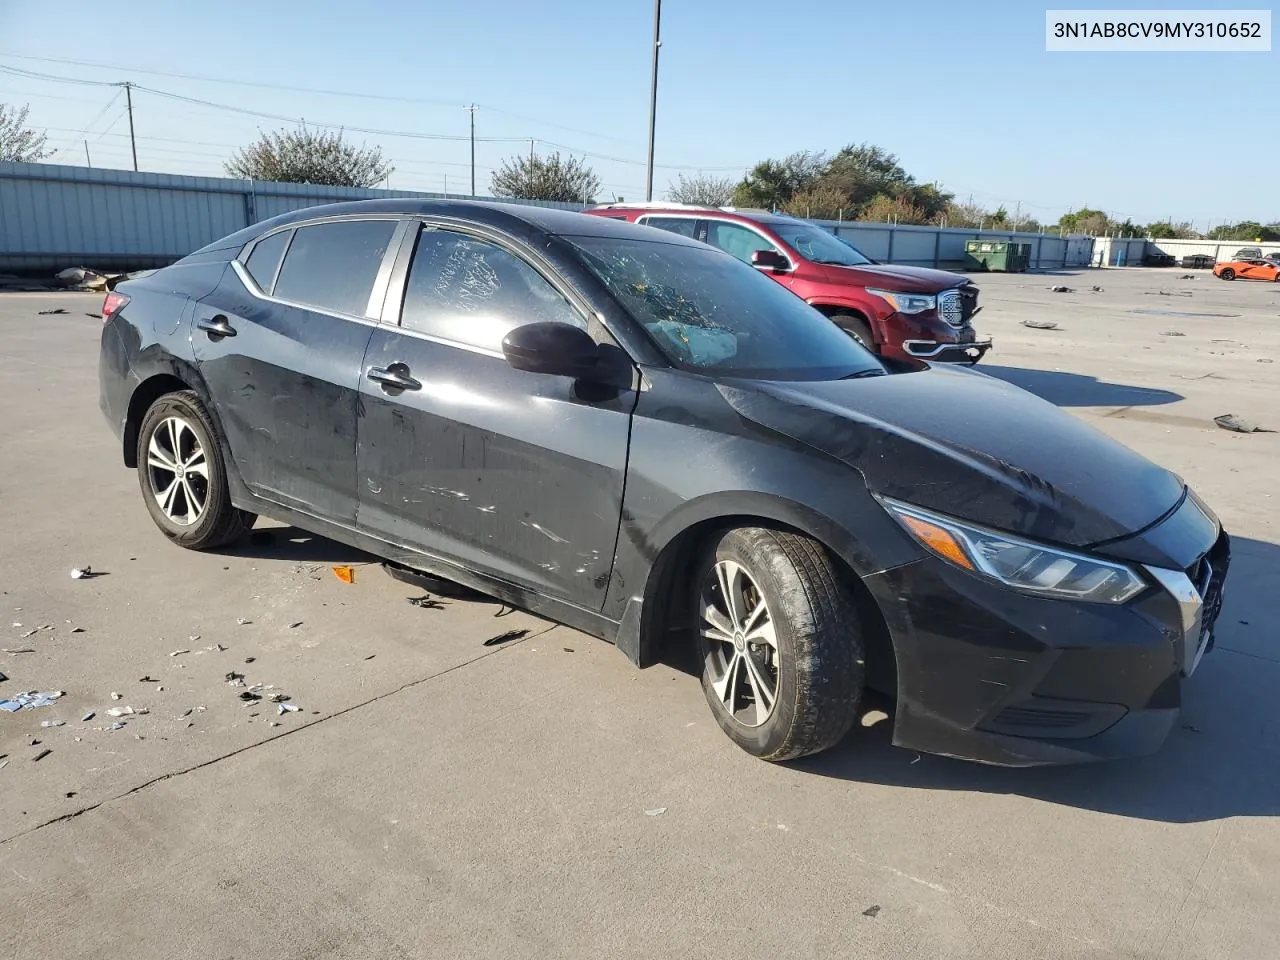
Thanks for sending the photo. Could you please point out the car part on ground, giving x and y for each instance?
(624, 430)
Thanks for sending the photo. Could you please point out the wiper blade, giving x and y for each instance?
(859, 374)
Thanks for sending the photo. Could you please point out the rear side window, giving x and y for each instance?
(473, 292)
(264, 260)
(685, 226)
(333, 265)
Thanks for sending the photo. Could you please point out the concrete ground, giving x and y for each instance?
(435, 797)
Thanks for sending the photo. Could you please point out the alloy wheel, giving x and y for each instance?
(740, 644)
(178, 471)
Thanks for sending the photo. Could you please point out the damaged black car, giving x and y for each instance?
(639, 436)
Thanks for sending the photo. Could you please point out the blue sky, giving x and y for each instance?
(964, 94)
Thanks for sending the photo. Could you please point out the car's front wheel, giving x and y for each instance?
(1228, 274)
(857, 328)
(183, 479)
(782, 657)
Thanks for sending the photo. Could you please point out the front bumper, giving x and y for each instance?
(969, 352)
(991, 674)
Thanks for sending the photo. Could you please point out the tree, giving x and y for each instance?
(1093, 223)
(18, 141)
(819, 202)
(705, 191)
(309, 156)
(771, 184)
(1168, 230)
(545, 178)
(1245, 230)
(886, 209)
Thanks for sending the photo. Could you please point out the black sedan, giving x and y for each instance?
(640, 436)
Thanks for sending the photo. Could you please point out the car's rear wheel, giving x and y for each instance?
(182, 475)
(781, 645)
(1228, 274)
(857, 328)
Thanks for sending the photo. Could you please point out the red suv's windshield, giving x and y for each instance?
(815, 244)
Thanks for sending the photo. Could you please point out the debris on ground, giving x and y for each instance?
(287, 708)
(278, 697)
(249, 659)
(296, 625)
(243, 621)
(3, 676)
(235, 679)
(1058, 288)
(371, 656)
(55, 310)
(1187, 276)
(1096, 289)
(127, 711)
(116, 696)
(178, 653)
(345, 573)
(1229, 421)
(13, 651)
(41, 755)
(30, 700)
(1265, 360)
(655, 812)
(1172, 333)
(426, 602)
(568, 650)
(1191, 726)
(871, 911)
(1167, 293)
(82, 278)
(96, 316)
(148, 679)
(505, 637)
(49, 724)
(1040, 324)
(87, 717)
(81, 573)
(248, 696)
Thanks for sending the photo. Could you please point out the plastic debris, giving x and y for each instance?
(77, 629)
(871, 911)
(148, 679)
(116, 696)
(345, 573)
(235, 679)
(118, 725)
(52, 723)
(248, 696)
(3, 764)
(81, 573)
(1172, 333)
(274, 723)
(178, 653)
(505, 637)
(287, 708)
(55, 310)
(1058, 288)
(30, 633)
(294, 626)
(655, 812)
(127, 711)
(29, 700)
(243, 621)
(14, 651)
(1229, 421)
(1040, 324)
(87, 717)
(568, 649)
(426, 602)
(278, 697)
(41, 755)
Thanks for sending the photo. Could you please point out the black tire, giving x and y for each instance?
(1228, 274)
(817, 665)
(857, 328)
(216, 522)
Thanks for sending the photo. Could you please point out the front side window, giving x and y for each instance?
(736, 240)
(474, 293)
(710, 314)
(819, 246)
(333, 266)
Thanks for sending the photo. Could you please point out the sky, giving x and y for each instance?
(964, 94)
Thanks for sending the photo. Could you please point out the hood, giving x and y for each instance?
(892, 277)
(971, 446)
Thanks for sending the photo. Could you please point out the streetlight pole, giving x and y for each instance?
(653, 96)
(472, 110)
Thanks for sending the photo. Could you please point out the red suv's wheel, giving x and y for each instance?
(857, 328)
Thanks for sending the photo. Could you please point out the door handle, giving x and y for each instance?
(216, 327)
(394, 376)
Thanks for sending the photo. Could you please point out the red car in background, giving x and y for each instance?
(896, 311)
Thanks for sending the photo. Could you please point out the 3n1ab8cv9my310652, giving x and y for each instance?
(643, 437)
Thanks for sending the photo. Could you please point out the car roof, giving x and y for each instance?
(508, 216)
(692, 210)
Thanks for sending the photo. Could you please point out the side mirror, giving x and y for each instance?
(770, 260)
(556, 349)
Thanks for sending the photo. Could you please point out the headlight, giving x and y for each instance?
(906, 302)
(1021, 564)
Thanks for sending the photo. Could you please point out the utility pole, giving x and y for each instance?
(653, 96)
(531, 143)
(87, 161)
(446, 186)
(133, 141)
(472, 110)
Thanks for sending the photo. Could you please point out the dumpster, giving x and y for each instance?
(1005, 256)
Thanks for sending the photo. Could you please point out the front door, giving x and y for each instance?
(513, 474)
(281, 348)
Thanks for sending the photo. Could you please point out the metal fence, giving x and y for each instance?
(54, 216)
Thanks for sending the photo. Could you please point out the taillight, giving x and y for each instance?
(112, 305)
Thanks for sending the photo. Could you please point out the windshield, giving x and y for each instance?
(713, 314)
(817, 245)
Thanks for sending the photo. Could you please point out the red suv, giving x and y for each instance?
(896, 311)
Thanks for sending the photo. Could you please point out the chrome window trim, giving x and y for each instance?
(382, 277)
(774, 244)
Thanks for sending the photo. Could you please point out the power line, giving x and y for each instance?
(80, 134)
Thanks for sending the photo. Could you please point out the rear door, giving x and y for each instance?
(280, 345)
(516, 475)
(691, 227)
